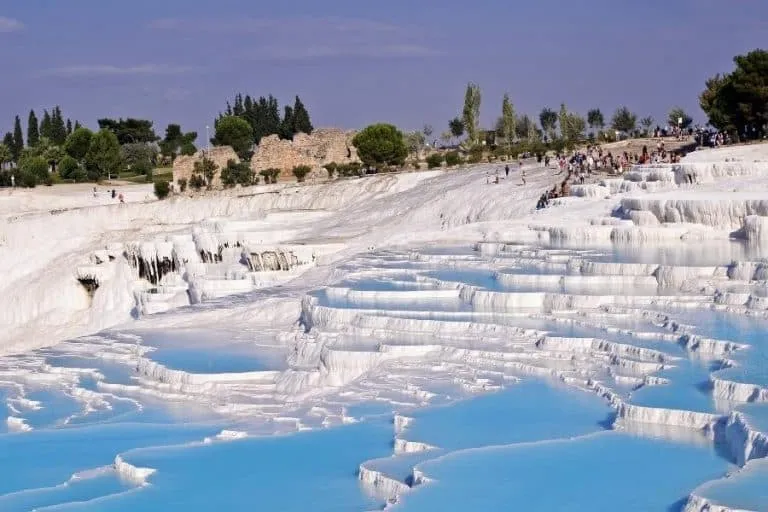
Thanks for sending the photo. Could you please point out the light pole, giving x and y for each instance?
(208, 138)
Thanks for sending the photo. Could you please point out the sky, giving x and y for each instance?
(355, 62)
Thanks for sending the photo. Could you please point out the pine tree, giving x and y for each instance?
(287, 126)
(33, 130)
(8, 143)
(77, 125)
(46, 126)
(18, 140)
(58, 129)
(69, 127)
(301, 121)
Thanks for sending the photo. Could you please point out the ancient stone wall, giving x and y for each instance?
(183, 165)
(323, 146)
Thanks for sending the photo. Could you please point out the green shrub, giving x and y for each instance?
(237, 174)
(452, 158)
(26, 179)
(162, 189)
(301, 171)
(196, 182)
(182, 184)
(416, 165)
(270, 175)
(68, 168)
(475, 155)
(434, 160)
(381, 145)
(142, 167)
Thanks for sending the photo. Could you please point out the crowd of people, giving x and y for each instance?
(580, 164)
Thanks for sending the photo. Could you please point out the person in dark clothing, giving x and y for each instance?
(506, 170)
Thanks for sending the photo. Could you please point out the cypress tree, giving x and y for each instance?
(273, 116)
(58, 129)
(287, 126)
(33, 130)
(45, 126)
(77, 125)
(18, 140)
(301, 121)
(8, 142)
(69, 127)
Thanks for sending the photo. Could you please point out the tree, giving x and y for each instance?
(595, 119)
(33, 171)
(46, 128)
(572, 126)
(287, 126)
(237, 174)
(674, 117)
(548, 120)
(69, 127)
(523, 127)
(414, 141)
(78, 143)
(562, 118)
(508, 121)
(207, 169)
(471, 113)
(301, 121)
(138, 156)
(738, 102)
(5, 155)
(177, 143)
(623, 120)
(130, 130)
(646, 123)
(427, 131)
(18, 140)
(33, 130)
(53, 155)
(381, 145)
(235, 132)
(69, 168)
(58, 129)
(103, 157)
(456, 127)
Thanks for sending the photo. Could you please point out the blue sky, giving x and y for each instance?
(356, 62)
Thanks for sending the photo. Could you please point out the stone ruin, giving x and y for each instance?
(183, 165)
(323, 146)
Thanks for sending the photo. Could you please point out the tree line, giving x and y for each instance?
(56, 148)
(247, 120)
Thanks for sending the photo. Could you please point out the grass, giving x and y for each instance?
(158, 174)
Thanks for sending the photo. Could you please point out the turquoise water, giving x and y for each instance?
(528, 411)
(309, 471)
(745, 490)
(46, 458)
(608, 471)
(536, 445)
(752, 364)
(688, 389)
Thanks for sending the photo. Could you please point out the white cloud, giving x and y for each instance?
(110, 70)
(10, 25)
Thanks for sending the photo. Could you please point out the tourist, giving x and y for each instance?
(506, 170)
